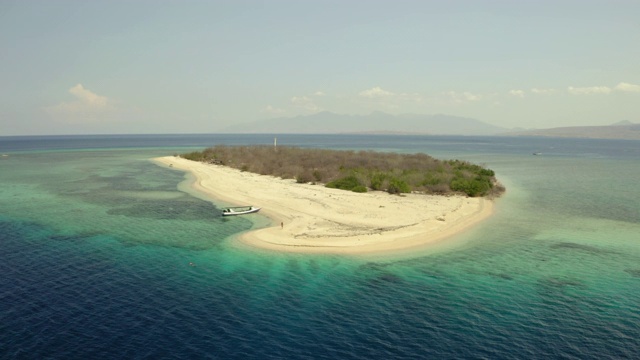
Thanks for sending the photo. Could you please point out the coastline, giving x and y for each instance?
(317, 219)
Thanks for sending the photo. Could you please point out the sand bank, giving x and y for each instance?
(322, 220)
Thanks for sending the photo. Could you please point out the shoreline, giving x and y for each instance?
(321, 220)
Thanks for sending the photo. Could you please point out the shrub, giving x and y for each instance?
(430, 179)
(355, 170)
(471, 187)
(438, 189)
(317, 175)
(397, 186)
(377, 181)
(194, 156)
(346, 183)
(304, 178)
(486, 172)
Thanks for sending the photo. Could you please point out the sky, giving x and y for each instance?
(119, 67)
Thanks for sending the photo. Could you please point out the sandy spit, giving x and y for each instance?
(316, 219)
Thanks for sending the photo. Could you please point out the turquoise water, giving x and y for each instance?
(104, 255)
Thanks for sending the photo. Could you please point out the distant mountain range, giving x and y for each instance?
(382, 123)
(620, 130)
(374, 123)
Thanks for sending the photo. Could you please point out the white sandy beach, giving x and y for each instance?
(322, 220)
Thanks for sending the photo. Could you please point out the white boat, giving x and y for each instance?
(239, 210)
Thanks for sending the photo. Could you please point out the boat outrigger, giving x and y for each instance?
(239, 210)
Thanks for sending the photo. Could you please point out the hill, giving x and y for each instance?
(376, 122)
(621, 130)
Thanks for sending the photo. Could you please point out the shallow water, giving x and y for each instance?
(103, 256)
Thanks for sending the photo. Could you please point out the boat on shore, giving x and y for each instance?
(239, 210)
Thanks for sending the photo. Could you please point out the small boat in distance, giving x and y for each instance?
(239, 210)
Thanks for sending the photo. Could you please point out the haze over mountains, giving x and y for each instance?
(382, 123)
(377, 122)
(621, 130)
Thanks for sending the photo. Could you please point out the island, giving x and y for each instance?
(347, 202)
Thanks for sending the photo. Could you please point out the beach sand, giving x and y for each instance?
(313, 218)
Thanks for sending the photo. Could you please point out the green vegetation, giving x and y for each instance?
(350, 182)
(357, 170)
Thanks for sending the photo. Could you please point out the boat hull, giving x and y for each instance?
(234, 211)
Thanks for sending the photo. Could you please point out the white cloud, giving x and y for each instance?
(319, 93)
(471, 97)
(589, 90)
(623, 87)
(87, 97)
(465, 96)
(88, 106)
(375, 92)
(626, 87)
(272, 110)
(517, 93)
(407, 97)
(86, 101)
(305, 103)
(543, 91)
(377, 98)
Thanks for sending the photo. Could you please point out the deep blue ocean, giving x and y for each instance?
(105, 255)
